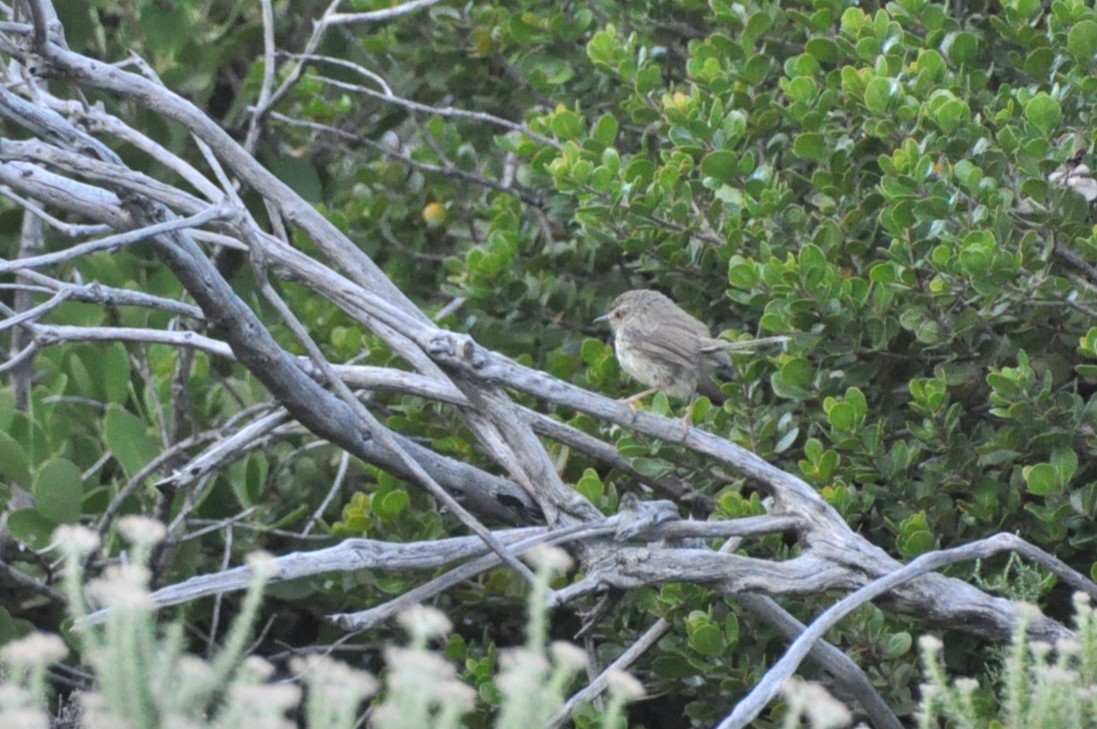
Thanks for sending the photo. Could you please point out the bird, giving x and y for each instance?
(664, 347)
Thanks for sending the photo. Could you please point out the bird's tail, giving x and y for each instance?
(719, 345)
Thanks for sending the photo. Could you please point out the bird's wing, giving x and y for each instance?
(675, 343)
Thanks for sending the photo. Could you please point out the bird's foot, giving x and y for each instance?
(687, 421)
(632, 400)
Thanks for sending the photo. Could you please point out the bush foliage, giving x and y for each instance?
(904, 187)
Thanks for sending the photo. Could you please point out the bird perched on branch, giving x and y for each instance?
(661, 345)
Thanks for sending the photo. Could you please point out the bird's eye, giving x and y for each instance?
(617, 314)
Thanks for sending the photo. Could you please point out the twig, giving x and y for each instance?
(269, 68)
(336, 485)
(116, 241)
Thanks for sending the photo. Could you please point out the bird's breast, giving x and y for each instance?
(651, 369)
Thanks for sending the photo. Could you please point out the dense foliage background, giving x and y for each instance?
(902, 185)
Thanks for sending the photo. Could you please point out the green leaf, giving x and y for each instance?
(1025, 9)
(722, 165)
(916, 542)
(167, 26)
(603, 46)
(1043, 112)
(129, 439)
(951, 114)
(392, 504)
(824, 50)
(14, 464)
(962, 47)
(757, 24)
(879, 94)
(1038, 62)
(1082, 39)
(857, 399)
(756, 69)
(731, 629)
(700, 408)
(111, 366)
(793, 380)
(1041, 479)
(567, 125)
(743, 275)
(30, 527)
(605, 130)
(802, 89)
(898, 644)
(248, 477)
(708, 640)
(300, 175)
(7, 409)
(590, 486)
(811, 146)
(853, 20)
(842, 416)
(786, 441)
(1065, 463)
(669, 666)
(10, 628)
(59, 491)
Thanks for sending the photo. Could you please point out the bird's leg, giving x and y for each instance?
(633, 399)
(687, 419)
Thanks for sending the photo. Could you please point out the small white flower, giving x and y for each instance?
(14, 696)
(193, 671)
(36, 649)
(141, 530)
(427, 622)
(521, 671)
(122, 586)
(1027, 610)
(550, 558)
(568, 654)
(257, 668)
(335, 678)
(409, 668)
(1082, 605)
(273, 697)
(624, 685)
(456, 694)
(822, 710)
(966, 685)
(523, 660)
(1057, 676)
(1068, 647)
(96, 714)
(178, 721)
(27, 718)
(75, 540)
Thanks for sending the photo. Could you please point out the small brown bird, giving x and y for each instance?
(665, 348)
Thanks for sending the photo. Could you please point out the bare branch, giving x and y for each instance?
(377, 16)
(113, 242)
(750, 707)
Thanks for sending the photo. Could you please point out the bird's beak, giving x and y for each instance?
(604, 317)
